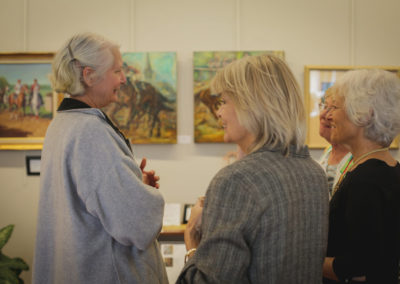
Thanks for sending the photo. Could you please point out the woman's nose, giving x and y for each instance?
(123, 78)
(323, 113)
(219, 112)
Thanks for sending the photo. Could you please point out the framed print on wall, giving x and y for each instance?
(316, 80)
(33, 165)
(27, 101)
(146, 107)
(205, 66)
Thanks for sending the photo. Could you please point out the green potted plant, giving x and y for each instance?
(10, 268)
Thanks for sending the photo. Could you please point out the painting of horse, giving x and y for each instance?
(205, 65)
(26, 99)
(146, 107)
(16, 102)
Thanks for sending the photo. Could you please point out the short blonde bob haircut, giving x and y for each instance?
(372, 100)
(267, 100)
(82, 50)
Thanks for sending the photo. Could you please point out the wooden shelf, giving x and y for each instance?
(172, 233)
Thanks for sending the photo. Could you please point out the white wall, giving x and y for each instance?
(335, 32)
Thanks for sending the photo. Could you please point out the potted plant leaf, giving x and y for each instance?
(10, 268)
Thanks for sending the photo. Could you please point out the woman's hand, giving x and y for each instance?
(149, 177)
(192, 232)
(328, 269)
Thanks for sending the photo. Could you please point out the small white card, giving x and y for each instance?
(172, 214)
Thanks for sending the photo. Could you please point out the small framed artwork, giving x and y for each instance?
(317, 79)
(27, 102)
(186, 213)
(33, 165)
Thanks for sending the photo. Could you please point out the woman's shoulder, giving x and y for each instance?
(82, 126)
(79, 113)
(375, 174)
(265, 166)
(81, 118)
(376, 167)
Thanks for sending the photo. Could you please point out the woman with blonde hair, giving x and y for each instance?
(364, 217)
(265, 216)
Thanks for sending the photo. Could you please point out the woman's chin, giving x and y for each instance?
(335, 140)
(326, 135)
(227, 139)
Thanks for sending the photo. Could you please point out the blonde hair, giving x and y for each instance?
(82, 50)
(372, 100)
(267, 99)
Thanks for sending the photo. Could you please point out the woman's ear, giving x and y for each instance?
(88, 76)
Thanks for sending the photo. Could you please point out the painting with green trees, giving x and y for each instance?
(205, 66)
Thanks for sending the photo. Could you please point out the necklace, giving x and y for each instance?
(348, 168)
(367, 154)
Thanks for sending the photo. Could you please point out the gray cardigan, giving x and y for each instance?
(98, 222)
(265, 220)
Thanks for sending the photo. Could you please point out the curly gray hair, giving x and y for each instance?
(372, 100)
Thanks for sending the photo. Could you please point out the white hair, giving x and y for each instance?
(82, 50)
(372, 100)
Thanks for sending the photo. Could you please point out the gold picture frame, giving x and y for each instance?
(318, 78)
(27, 102)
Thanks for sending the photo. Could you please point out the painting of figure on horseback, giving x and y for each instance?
(146, 108)
(205, 66)
(26, 100)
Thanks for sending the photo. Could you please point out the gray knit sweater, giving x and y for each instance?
(265, 220)
(98, 222)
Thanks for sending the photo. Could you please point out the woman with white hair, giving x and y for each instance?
(99, 212)
(336, 157)
(265, 216)
(364, 228)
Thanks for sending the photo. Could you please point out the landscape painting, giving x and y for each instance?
(146, 109)
(205, 66)
(26, 100)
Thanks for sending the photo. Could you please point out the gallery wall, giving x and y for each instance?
(310, 32)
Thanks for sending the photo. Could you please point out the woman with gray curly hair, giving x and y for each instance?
(364, 227)
(99, 212)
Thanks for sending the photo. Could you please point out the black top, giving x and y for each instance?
(364, 223)
(69, 103)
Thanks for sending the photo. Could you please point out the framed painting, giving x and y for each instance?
(146, 107)
(316, 80)
(26, 100)
(205, 66)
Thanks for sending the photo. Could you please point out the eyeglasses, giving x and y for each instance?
(326, 108)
